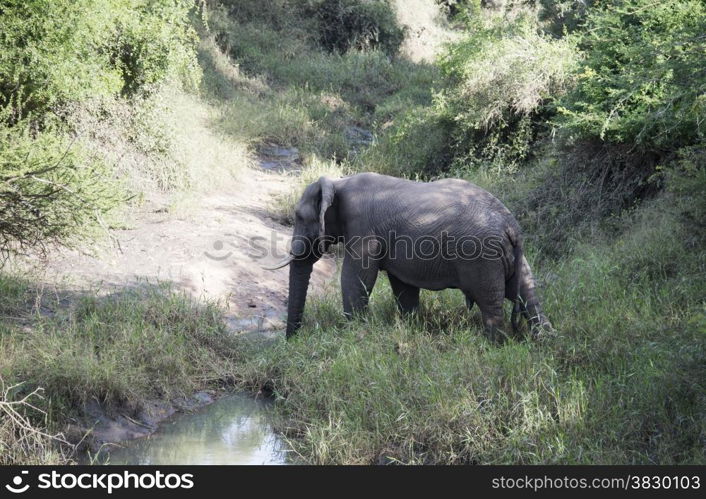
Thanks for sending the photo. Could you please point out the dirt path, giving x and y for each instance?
(208, 253)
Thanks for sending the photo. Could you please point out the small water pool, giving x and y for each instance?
(232, 430)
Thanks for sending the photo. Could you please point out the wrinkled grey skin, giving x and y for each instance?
(370, 204)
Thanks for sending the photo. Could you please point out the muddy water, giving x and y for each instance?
(232, 430)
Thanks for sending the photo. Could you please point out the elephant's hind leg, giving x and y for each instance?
(491, 308)
(407, 296)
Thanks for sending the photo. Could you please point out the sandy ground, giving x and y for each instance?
(209, 253)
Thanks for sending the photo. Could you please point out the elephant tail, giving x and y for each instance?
(516, 280)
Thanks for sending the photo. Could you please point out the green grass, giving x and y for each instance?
(278, 85)
(272, 83)
(622, 382)
(120, 349)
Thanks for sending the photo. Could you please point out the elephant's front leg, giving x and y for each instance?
(357, 281)
(469, 302)
(407, 296)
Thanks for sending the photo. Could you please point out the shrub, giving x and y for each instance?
(49, 188)
(61, 55)
(416, 145)
(21, 441)
(642, 81)
(505, 77)
(60, 51)
(358, 24)
(157, 42)
(561, 16)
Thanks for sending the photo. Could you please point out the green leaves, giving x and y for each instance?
(53, 52)
(355, 24)
(50, 189)
(504, 75)
(53, 55)
(643, 78)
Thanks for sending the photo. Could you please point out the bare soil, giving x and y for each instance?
(208, 252)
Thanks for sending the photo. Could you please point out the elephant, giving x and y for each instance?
(372, 214)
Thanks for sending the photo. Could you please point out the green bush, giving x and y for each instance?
(417, 144)
(642, 81)
(50, 189)
(61, 55)
(155, 42)
(563, 16)
(57, 51)
(358, 24)
(505, 75)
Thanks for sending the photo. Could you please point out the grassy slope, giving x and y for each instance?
(119, 349)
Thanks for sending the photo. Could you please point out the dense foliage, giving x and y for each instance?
(347, 24)
(643, 79)
(49, 189)
(54, 55)
(504, 76)
(52, 52)
(594, 101)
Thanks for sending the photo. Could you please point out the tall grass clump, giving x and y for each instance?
(120, 349)
(61, 350)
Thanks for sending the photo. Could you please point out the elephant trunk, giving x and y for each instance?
(299, 274)
(531, 307)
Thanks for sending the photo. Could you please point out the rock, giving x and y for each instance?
(105, 428)
(357, 136)
(277, 158)
(155, 411)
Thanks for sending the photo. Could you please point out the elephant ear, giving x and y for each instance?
(327, 194)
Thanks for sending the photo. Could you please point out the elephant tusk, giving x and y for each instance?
(286, 261)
